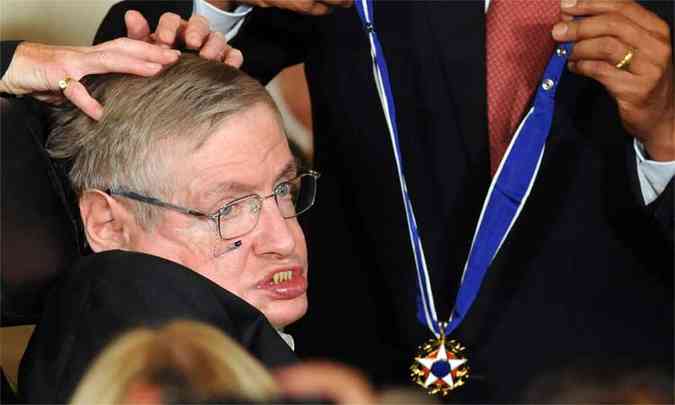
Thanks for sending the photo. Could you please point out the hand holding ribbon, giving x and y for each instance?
(628, 49)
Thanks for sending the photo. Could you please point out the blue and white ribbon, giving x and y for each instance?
(508, 192)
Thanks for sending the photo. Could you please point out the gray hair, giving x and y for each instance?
(142, 116)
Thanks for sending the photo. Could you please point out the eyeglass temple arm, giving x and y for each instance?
(156, 202)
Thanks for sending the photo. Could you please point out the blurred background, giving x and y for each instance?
(74, 22)
(62, 22)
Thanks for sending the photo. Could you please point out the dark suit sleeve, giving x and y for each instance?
(270, 39)
(36, 216)
(660, 211)
(7, 49)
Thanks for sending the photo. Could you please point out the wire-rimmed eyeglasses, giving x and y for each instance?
(240, 216)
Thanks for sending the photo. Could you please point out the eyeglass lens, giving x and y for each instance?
(293, 198)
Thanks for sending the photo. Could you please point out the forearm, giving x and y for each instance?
(661, 145)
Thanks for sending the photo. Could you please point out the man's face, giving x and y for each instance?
(249, 154)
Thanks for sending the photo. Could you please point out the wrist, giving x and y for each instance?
(8, 83)
(225, 5)
(660, 145)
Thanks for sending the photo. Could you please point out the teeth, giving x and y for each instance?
(282, 276)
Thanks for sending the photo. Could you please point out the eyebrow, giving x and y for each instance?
(291, 169)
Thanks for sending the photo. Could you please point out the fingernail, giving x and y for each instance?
(568, 3)
(559, 30)
(97, 113)
(171, 53)
(570, 65)
(153, 66)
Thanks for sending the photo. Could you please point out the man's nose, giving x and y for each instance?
(274, 234)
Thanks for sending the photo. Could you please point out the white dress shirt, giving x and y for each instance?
(654, 176)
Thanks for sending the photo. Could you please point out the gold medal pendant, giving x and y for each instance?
(440, 366)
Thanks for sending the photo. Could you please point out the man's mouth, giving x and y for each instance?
(282, 277)
(286, 283)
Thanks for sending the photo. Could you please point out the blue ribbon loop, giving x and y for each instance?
(508, 192)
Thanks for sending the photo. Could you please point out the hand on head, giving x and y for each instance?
(172, 31)
(37, 69)
(52, 73)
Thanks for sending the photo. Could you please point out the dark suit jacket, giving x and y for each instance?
(109, 293)
(586, 275)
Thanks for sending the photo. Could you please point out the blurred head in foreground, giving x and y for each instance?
(184, 361)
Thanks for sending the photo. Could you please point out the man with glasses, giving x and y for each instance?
(187, 191)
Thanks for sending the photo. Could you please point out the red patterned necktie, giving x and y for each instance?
(518, 46)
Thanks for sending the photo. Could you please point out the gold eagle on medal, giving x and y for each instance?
(440, 366)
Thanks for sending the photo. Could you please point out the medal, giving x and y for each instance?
(440, 365)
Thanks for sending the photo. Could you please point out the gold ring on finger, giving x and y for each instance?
(64, 83)
(627, 59)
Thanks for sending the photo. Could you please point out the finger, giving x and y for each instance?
(338, 3)
(610, 50)
(114, 62)
(196, 31)
(633, 94)
(322, 379)
(631, 10)
(78, 95)
(308, 7)
(140, 50)
(234, 58)
(137, 25)
(215, 48)
(614, 25)
(169, 28)
(651, 49)
(566, 17)
(617, 81)
(319, 8)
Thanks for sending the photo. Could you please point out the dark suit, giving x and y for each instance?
(586, 275)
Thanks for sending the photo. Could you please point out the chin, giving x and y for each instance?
(282, 313)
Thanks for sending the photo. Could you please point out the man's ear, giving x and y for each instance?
(107, 223)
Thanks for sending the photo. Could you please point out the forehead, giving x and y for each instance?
(250, 148)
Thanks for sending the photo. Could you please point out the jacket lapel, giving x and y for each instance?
(458, 34)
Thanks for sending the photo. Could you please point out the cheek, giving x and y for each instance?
(191, 246)
(225, 266)
(300, 243)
